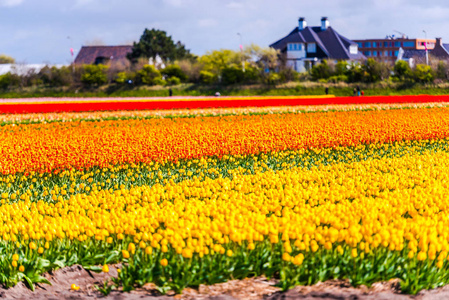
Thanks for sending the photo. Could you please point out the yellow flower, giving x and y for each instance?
(286, 256)
(229, 253)
(74, 287)
(14, 264)
(32, 245)
(164, 262)
(132, 248)
(354, 252)
(40, 250)
(21, 268)
(125, 254)
(15, 256)
(148, 250)
(105, 269)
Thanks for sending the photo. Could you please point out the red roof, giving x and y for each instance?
(88, 54)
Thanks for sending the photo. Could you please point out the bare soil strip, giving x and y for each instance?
(251, 289)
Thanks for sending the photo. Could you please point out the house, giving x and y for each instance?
(305, 45)
(387, 49)
(102, 54)
(421, 56)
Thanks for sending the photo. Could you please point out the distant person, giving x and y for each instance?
(326, 90)
(217, 94)
(355, 92)
(363, 93)
(170, 92)
(358, 91)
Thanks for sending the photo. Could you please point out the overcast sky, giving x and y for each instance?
(43, 31)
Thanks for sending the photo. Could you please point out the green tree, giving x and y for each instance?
(442, 70)
(321, 70)
(149, 75)
(375, 71)
(9, 80)
(402, 71)
(5, 59)
(174, 71)
(423, 74)
(218, 60)
(154, 43)
(94, 75)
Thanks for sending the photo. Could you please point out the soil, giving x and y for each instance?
(251, 289)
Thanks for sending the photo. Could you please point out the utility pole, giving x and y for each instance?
(425, 45)
(72, 52)
(241, 51)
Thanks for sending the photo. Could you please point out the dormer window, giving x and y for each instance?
(311, 47)
(353, 49)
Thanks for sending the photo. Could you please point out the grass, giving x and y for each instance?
(290, 88)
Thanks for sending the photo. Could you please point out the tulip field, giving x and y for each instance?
(205, 195)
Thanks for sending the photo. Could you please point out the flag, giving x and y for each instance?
(425, 45)
(71, 51)
(241, 47)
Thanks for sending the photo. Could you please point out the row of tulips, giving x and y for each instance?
(74, 105)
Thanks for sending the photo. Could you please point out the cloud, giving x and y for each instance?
(207, 22)
(10, 3)
(234, 5)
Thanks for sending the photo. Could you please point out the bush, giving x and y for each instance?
(125, 77)
(273, 78)
(9, 80)
(321, 71)
(423, 74)
(207, 77)
(232, 74)
(149, 75)
(53, 76)
(402, 71)
(173, 80)
(338, 78)
(94, 75)
(174, 71)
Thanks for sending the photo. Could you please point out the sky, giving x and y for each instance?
(43, 31)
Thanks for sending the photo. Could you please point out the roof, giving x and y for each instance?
(411, 53)
(331, 43)
(88, 54)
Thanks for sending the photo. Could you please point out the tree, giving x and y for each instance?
(149, 75)
(402, 70)
(5, 59)
(154, 43)
(423, 74)
(94, 74)
(375, 70)
(217, 60)
(321, 71)
(174, 71)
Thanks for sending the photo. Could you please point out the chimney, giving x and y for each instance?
(302, 23)
(324, 23)
(439, 41)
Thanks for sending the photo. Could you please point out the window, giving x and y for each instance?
(360, 44)
(387, 44)
(294, 47)
(391, 53)
(380, 53)
(396, 53)
(367, 53)
(311, 47)
(374, 53)
(374, 45)
(367, 44)
(397, 44)
(386, 53)
(408, 44)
